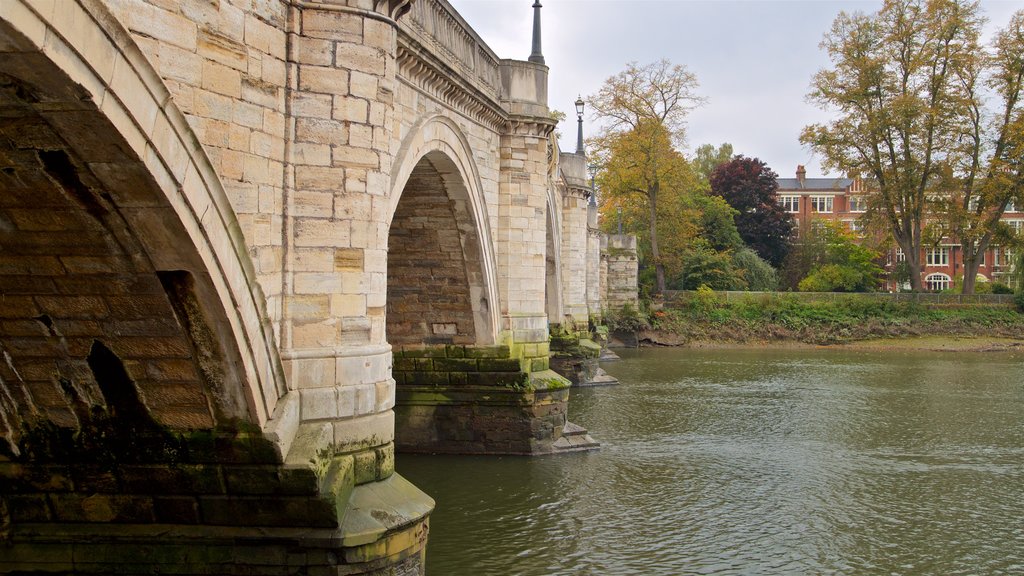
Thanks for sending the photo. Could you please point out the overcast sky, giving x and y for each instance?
(754, 59)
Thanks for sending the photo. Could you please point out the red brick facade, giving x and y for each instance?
(844, 199)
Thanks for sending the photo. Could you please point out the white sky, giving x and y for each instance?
(754, 59)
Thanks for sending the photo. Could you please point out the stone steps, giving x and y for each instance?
(574, 439)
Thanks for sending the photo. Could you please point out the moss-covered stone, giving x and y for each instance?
(499, 365)
(457, 364)
(487, 352)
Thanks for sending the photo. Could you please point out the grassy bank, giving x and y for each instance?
(706, 317)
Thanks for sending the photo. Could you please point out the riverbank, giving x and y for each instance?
(708, 321)
(906, 344)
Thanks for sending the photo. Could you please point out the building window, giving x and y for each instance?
(937, 282)
(1002, 257)
(1010, 207)
(937, 256)
(856, 226)
(857, 203)
(900, 256)
(1016, 225)
(790, 204)
(822, 204)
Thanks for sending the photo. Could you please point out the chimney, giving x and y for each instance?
(801, 175)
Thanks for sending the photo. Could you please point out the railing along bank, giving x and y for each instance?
(932, 298)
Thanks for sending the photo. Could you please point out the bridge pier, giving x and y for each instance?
(226, 230)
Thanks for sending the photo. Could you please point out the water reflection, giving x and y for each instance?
(755, 462)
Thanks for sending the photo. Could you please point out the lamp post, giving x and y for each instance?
(579, 121)
(620, 220)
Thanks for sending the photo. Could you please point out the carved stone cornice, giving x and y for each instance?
(425, 72)
(576, 192)
(530, 126)
(395, 9)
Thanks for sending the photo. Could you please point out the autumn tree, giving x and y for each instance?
(751, 187)
(987, 171)
(643, 110)
(897, 87)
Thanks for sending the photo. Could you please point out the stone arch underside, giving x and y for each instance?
(442, 287)
(127, 294)
(436, 288)
(553, 261)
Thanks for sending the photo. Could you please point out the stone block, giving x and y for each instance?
(499, 365)
(114, 508)
(176, 510)
(460, 364)
(365, 466)
(487, 351)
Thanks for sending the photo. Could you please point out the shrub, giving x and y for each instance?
(1000, 288)
(626, 319)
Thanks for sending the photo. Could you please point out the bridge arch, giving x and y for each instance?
(118, 240)
(435, 173)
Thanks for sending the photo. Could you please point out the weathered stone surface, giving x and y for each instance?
(217, 220)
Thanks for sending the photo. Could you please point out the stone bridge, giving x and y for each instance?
(250, 247)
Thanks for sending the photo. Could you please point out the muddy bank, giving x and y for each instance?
(975, 343)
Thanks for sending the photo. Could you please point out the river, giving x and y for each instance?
(755, 461)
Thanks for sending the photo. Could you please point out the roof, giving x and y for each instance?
(839, 184)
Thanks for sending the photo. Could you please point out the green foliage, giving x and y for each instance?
(704, 315)
(626, 319)
(758, 274)
(705, 267)
(1000, 288)
(834, 261)
(832, 278)
(1018, 301)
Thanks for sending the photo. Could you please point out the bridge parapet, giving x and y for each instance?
(436, 27)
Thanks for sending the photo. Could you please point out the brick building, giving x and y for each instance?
(845, 200)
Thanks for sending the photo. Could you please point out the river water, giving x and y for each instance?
(745, 461)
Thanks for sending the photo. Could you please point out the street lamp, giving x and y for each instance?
(579, 120)
(620, 220)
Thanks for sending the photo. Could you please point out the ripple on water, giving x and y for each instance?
(754, 462)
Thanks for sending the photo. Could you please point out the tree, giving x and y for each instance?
(988, 172)
(758, 274)
(704, 266)
(896, 87)
(707, 158)
(750, 187)
(835, 261)
(686, 216)
(644, 109)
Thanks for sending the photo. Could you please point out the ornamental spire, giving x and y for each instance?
(536, 56)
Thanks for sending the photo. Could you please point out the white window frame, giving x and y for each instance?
(938, 256)
(790, 203)
(937, 282)
(1016, 224)
(900, 256)
(855, 226)
(857, 203)
(826, 201)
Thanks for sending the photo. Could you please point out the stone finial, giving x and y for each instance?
(535, 55)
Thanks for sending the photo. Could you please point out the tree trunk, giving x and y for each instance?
(972, 262)
(913, 256)
(659, 268)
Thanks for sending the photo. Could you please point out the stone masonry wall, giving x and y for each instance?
(475, 400)
(225, 66)
(622, 264)
(428, 292)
